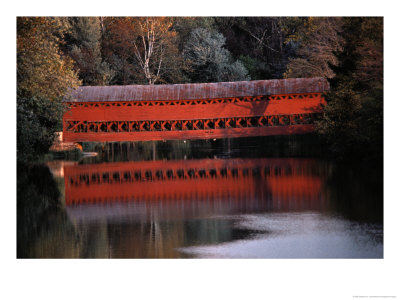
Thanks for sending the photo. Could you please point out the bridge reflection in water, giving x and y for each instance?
(151, 208)
(282, 184)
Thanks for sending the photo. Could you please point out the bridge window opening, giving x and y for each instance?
(84, 178)
(170, 174)
(133, 126)
(277, 171)
(210, 125)
(267, 171)
(256, 172)
(242, 122)
(127, 176)
(159, 174)
(116, 177)
(245, 172)
(92, 127)
(144, 126)
(213, 173)
(234, 172)
(220, 123)
(191, 173)
(178, 125)
(230, 123)
(138, 176)
(263, 121)
(167, 126)
(288, 170)
(180, 173)
(202, 173)
(274, 120)
(102, 127)
(81, 127)
(69, 125)
(189, 125)
(223, 172)
(253, 122)
(111, 127)
(200, 124)
(95, 178)
(123, 127)
(156, 126)
(285, 120)
(106, 177)
(148, 175)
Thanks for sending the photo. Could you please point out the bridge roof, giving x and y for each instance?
(192, 91)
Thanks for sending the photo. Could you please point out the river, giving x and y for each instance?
(239, 198)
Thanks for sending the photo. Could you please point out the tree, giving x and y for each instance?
(42, 70)
(117, 50)
(44, 75)
(84, 47)
(210, 61)
(143, 50)
(317, 39)
(155, 48)
(353, 117)
(258, 42)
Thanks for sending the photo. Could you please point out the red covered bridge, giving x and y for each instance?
(193, 111)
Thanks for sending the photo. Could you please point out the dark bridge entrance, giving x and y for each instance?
(193, 111)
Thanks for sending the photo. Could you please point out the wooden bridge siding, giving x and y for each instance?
(186, 134)
(197, 111)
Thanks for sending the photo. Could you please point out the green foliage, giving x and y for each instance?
(210, 61)
(258, 70)
(84, 48)
(143, 50)
(318, 40)
(37, 120)
(185, 25)
(42, 70)
(340, 124)
(260, 38)
(44, 75)
(353, 117)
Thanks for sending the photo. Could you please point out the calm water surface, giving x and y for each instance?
(223, 199)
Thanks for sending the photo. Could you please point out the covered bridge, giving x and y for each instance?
(193, 111)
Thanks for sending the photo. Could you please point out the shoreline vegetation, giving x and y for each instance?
(55, 54)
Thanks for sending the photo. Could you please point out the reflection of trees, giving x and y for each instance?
(42, 225)
(356, 192)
